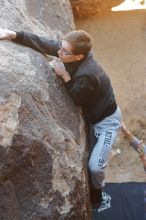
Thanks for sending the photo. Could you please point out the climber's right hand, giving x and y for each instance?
(6, 34)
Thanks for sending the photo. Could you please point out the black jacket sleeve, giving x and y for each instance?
(81, 89)
(41, 44)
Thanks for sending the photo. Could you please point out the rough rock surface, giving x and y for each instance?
(42, 137)
(84, 9)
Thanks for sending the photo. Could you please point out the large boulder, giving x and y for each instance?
(42, 133)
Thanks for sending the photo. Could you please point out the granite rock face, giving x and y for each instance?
(42, 133)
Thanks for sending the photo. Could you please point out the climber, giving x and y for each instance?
(89, 86)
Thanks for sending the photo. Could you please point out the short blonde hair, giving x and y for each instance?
(80, 41)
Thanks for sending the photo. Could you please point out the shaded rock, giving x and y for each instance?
(9, 207)
(84, 9)
(42, 136)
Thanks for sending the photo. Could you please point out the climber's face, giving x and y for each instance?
(66, 55)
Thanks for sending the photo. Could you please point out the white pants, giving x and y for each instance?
(105, 131)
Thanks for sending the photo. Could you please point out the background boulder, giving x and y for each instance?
(84, 9)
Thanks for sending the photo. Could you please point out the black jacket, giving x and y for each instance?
(89, 85)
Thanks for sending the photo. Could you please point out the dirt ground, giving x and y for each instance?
(120, 44)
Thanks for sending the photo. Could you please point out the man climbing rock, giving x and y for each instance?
(89, 86)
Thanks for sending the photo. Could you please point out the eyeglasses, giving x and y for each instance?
(63, 50)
